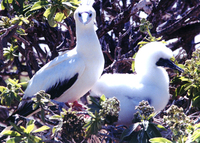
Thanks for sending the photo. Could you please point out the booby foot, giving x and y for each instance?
(60, 105)
(78, 106)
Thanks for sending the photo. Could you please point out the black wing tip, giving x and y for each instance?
(25, 109)
(60, 87)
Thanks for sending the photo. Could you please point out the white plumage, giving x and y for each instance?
(71, 75)
(151, 82)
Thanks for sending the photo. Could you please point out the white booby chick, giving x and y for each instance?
(71, 75)
(151, 82)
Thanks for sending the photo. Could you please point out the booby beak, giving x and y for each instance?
(85, 17)
(168, 63)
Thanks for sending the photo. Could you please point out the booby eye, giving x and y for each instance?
(79, 14)
(90, 15)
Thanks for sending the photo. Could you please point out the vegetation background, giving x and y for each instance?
(34, 32)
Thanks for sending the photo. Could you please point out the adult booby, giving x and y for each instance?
(71, 75)
(151, 82)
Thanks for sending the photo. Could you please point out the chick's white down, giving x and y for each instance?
(151, 82)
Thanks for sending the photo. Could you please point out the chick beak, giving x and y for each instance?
(168, 63)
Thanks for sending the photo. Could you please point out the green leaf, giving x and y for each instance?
(196, 135)
(196, 101)
(14, 140)
(25, 20)
(182, 78)
(159, 140)
(134, 138)
(59, 16)
(58, 117)
(152, 131)
(23, 83)
(23, 130)
(2, 88)
(159, 38)
(180, 91)
(142, 43)
(11, 133)
(187, 86)
(128, 131)
(43, 128)
(172, 59)
(197, 125)
(159, 126)
(17, 97)
(54, 130)
(91, 114)
(30, 122)
(10, 1)
(36, 139)
(87, 125)
(21, 31)
(7, 101)
(181, 66)
(151, 116)
(2, 5)
(52, 13)
(13, 81)
(75, 2)
(12, 95)
(16, 127)
(133, 63)
(42, 115)
(49, 14)
(35, 106)
(5, 5)
(102, 98)
(29, 128)
(39, 5)
(95, 101)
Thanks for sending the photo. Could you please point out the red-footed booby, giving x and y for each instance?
(71, 75)
(151, 82)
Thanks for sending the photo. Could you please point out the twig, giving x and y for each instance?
(118, 20)
(178, 24)
(21, 39)
(72, 44)
(8, 30)
(36, 47)
(107, 52)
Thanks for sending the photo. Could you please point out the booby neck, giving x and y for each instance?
(146, 64)
(88, 33)
(87, 40)
(155, 76)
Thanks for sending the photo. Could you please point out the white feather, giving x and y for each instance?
(86, 59)
(150, 83)
(87, 2)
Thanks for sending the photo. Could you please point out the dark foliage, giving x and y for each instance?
(118, 30)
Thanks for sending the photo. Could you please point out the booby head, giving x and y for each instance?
(152, 55)
(85, 13)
